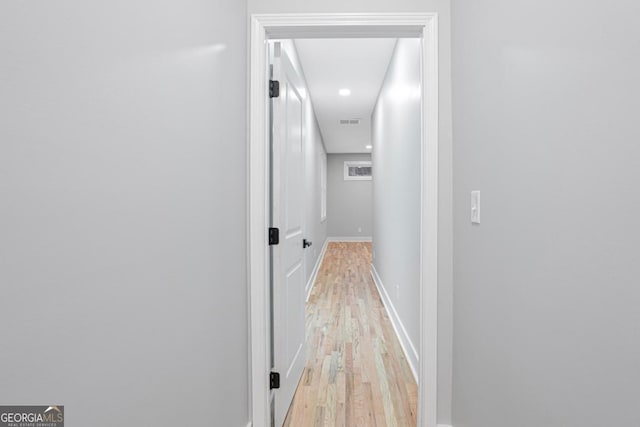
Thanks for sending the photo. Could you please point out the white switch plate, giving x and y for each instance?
(475, 207)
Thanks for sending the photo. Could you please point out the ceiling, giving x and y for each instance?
(355, 64)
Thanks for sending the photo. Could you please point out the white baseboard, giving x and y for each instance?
(350, 239)
(405, 342)
(444, 425)
(316, 268)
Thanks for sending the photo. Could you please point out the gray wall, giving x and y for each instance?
(349, 203)
(445, 237)
(396, 136)
(122, 212)
(547, 318)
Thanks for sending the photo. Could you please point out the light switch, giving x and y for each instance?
(475, 207)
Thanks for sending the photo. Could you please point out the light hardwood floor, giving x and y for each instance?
(356, 373)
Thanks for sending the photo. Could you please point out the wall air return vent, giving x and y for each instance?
(357, 171)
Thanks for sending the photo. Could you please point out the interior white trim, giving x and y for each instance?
(444, 425)
(344, 25)
(350, 239)
(316, 268)
(262, 27)
(407, 345)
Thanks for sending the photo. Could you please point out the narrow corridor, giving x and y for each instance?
(356, 373)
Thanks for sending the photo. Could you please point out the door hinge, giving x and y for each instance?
(274, 236)
(274, 380)
(274, 88)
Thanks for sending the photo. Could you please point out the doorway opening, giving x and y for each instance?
(269, 27)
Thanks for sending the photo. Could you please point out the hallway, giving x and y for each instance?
(356, 373)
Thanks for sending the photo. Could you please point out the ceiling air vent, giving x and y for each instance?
(349, 122)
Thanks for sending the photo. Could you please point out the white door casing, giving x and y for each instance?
(287, 207)
(274, 26)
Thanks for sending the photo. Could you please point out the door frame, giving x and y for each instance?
(272, 26)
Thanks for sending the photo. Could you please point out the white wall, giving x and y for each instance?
(350, 204)
(445, 237)
(396, 136)
(315, 229)
(547, 318)
(122, 210)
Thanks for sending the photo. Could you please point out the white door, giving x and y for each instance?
(287, 187)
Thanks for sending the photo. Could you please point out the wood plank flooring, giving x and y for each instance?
(356, 373)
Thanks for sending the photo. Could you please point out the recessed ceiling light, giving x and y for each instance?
(344, 92)
(368, 147)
